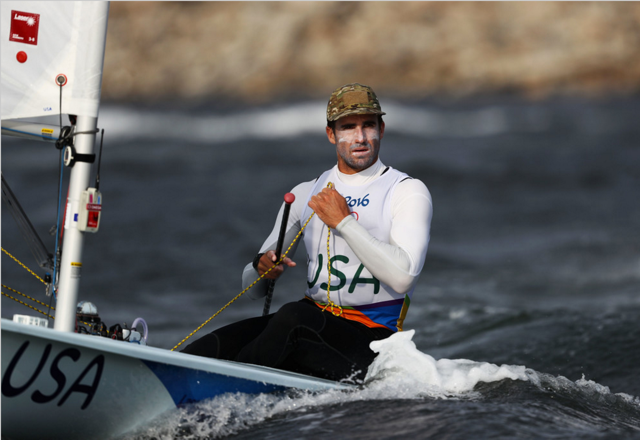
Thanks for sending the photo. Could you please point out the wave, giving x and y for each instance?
(405, 372)
(400, 372)
(456, 120)
(308, 118)
(421, 120)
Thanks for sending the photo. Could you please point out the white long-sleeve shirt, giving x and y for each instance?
(397, 263)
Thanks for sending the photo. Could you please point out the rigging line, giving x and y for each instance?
(282, 257)
(37, 247)
(25, 304)
(31, 307)
(75, 133)
(51, 295)
(66, 135)
(99, 161)
(48, 138)
(236, 297)
(35, 275)
(27, 296)
(23, 265)
(60, 113)
(58, 232)
(330, 303)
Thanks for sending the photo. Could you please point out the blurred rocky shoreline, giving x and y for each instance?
(256, 52)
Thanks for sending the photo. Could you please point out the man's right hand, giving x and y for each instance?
(268, 260)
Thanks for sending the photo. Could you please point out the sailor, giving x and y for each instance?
(379, 220)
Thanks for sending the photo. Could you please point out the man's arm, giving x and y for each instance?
(399, 262)
(250, 274)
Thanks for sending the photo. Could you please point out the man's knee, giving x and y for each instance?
(297, 314)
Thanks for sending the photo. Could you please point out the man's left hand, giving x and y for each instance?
(330, 207)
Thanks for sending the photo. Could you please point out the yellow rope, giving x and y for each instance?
(330, 303)
(25, 304)
(33, 299)
(250, 286)
(20, 293)
(27, 296)
(29, 270)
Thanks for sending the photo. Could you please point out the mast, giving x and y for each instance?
(52, 63)
(71, 264)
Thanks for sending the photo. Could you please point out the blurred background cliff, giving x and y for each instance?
(255, 52)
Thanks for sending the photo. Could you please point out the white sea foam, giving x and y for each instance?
(401, 367)
(583, 389)
(400, 371)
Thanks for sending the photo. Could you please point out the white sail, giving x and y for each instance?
(52, 60)
(43, 40)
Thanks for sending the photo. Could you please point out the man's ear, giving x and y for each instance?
(331, 135)
(381, 129)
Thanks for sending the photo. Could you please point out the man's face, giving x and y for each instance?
(357, 140)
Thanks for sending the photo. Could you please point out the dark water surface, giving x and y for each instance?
(534, 259)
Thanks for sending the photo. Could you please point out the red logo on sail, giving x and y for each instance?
(24, 27)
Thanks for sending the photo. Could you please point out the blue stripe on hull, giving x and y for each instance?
(186, 385)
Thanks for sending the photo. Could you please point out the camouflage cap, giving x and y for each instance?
(353, 99)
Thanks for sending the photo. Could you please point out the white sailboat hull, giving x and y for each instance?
(66, 385)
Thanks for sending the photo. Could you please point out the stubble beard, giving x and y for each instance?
(362, 163)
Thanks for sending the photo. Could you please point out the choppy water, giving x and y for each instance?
(532, 275)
